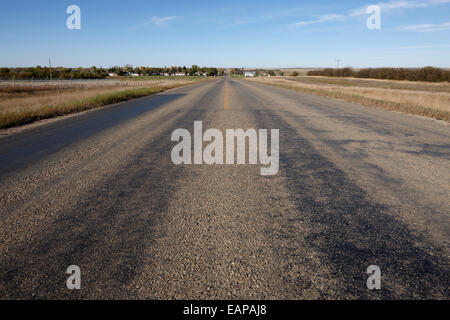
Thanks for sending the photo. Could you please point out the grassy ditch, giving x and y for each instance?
(384, 104)
(13, 118)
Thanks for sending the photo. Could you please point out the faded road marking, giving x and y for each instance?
(226, 105)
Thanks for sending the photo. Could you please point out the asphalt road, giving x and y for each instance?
(357, 186)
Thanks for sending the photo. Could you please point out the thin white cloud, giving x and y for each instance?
(262, 18)
(427, 27)
(401, 4)
(324, 18)
(238, 23)
(162, 21)
(436, 46)
(155, 21)
(386, 6)
(430, 46)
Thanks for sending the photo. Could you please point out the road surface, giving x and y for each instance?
(357, 186)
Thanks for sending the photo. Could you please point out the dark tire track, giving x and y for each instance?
(105, 234)
(351, 231)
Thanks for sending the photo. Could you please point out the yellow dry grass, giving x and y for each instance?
(13, 102)
(20, 107)
(428, 101)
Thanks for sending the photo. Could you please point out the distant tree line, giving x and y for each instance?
(257, 72)
(237, 72)
(46, 73)
(43, 73)
(430, 74)
(154, 71)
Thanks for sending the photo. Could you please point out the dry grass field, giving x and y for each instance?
(24, 103)
(300, 71)
(420, 98)
(287, 71)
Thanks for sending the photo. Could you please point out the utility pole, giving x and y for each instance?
(50, 66)
(338, 63)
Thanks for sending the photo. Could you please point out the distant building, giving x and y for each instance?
(249, 74)
(180, 74)
(112, 74)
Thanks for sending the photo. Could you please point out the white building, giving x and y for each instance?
(249, 74)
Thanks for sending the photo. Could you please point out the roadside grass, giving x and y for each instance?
(381, 102)
(25, 89)
(153, 78)
(13, 118)
(8, 92)
(373, 83)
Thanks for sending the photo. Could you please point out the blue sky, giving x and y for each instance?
(232, 33)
